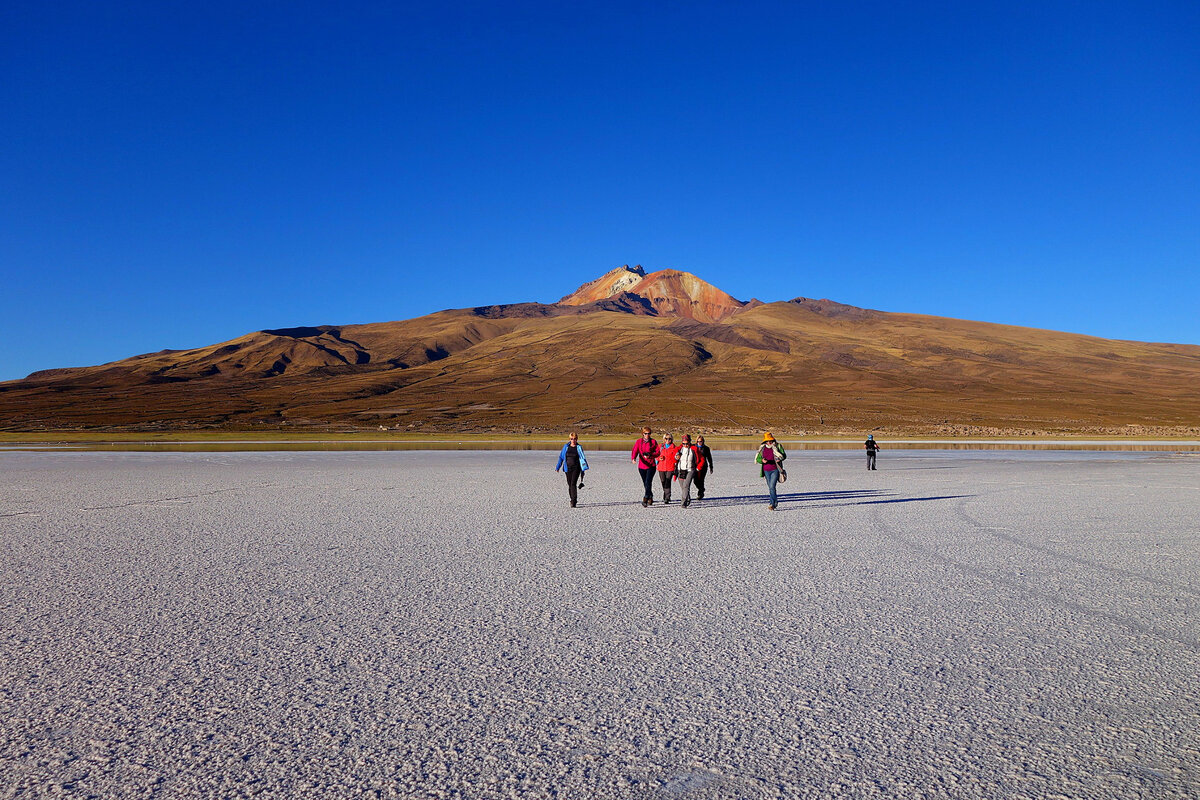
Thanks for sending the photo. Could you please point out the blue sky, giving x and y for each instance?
(177, 175)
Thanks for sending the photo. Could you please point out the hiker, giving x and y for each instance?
(706, 466)
(687, 466)
(771, 455)
(872, 447)
(572, 461)
(667, 456)
(645, 455)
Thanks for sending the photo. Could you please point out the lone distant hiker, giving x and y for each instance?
(645, 455)
(666, 466)
(706, 466)
(770, 455)
(872, 447)
(575, 462)
(687, 467)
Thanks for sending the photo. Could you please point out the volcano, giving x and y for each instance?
(632, 347)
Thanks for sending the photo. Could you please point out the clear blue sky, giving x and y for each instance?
(174, 175)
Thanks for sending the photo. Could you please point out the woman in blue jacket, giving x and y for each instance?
(572, 461)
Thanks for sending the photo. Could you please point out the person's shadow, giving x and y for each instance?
(795, 501)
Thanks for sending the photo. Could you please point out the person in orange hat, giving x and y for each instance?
(770, 456)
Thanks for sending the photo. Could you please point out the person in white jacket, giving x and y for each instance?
(685, 468)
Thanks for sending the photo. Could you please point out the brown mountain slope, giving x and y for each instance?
(613, 362)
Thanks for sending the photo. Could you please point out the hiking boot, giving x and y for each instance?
(686, 503)
(645, 502)
(572, 504)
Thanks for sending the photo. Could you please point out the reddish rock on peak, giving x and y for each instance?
(609, 284)
(682, 294)
(672, 293)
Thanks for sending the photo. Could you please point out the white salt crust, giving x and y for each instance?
(960, 625)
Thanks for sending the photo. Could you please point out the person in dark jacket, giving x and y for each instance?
(706, 457)
(872, 446)
(573, 461)
(645, 456)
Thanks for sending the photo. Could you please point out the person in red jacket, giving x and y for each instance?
(645, 455)
(667, 456)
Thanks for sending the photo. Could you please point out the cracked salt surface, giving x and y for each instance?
(406, 624)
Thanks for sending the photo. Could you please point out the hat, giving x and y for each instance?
(767, 437)
(687, 437)
(870, 436)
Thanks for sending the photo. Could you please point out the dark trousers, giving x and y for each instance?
(573, 475)
(870, 459)
(665, 479)
(647, 481)
(700, 483)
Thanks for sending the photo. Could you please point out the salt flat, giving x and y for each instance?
(963, 625)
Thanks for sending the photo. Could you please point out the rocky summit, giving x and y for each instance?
(632, 347)
(667, 292)
(604, 287)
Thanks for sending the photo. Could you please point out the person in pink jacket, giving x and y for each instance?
(645, 456)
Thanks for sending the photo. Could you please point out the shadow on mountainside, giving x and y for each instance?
(793, 501)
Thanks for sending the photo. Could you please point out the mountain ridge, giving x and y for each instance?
(630, 347)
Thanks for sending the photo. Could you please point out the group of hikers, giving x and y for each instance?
(685, 463)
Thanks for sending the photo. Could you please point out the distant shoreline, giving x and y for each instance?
(409, 436)
(381, 441)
